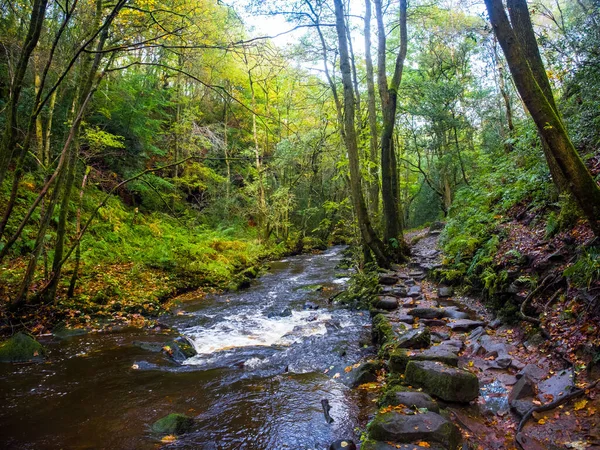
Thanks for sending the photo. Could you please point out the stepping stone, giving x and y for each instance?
(556, 386)
(430, 427)
(445, 291)
(476, 334)
(434, 322)
(365, 373)
(465, 324)
(521, 396)
(440, 354)
(413, 399)
(419, 338)
(405, 318)
(396, 291)
(414, 291)
(417, 275)
(386, 303)
(427, 313)
(448, 383)
(388, 279)
(534, 372)
(455, 344)
(455, 314)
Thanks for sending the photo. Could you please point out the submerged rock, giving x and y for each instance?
(448, 383)
(173, 424)
(21, 348)
(431, 427)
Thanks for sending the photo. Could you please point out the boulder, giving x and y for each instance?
(427, 313)
(284, 313)
(386, 303)
(417, 338)
(21, 348)
(556, 386)
(180, 349)
(173, 424)
(465, 324)
(405, 318)
(311, 305)
(412, 400)
(448, 383)
(430, 427)
(382, 330)
(365, 373)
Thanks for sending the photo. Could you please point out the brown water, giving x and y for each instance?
(257, 382)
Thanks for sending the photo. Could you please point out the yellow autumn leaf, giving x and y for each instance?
(470, 363)
(168, 438)
(580, 404)
(423, 444)
(542, 421)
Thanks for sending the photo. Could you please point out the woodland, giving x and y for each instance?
(154, 151)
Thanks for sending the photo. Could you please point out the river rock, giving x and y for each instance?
(365, 373)
(431, 427)
(386, 303)
(414, 291)
(455, 345)
(427, 313)
(388, 279)
(180, 349)
(20, 348)
(396, 291)
(476, 333)
(173, 424)
(398, 360)
(533, 371)
(521, 396)
(284, 313)
(311, 305)
(434, 322)
(343, 444)
(556, 386)
(413, 399)
(465, 324)
(448, 383)
(418, 338)
(446, 355)
(405, 318)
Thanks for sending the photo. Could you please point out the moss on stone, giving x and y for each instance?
(173, 424)
(389, 393)
(382, 330)
(398, 360)
(448, 383)
(20, 348)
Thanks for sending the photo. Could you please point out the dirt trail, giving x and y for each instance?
(516, 371)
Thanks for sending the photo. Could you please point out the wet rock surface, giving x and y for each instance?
(476, 372)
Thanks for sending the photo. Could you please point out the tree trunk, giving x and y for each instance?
(368, 234)
(389, 95)
(530, 84)
(372, 113)
(9, 139)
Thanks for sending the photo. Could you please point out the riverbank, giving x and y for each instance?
(449, 371)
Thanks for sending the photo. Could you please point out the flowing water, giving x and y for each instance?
(265, 361)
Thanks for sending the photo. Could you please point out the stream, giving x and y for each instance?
(266, 358)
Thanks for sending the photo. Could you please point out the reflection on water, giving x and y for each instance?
(265, 360)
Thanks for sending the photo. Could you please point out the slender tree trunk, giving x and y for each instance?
(9, 139)
(75, 275)
(368, 234)
(372, 113)
(530, 84)
(389, 96)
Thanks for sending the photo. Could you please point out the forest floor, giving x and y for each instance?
(534, 392)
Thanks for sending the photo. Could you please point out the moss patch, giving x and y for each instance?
(20, 348)
(173, 424)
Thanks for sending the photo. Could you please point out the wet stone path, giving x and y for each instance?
(456, 377)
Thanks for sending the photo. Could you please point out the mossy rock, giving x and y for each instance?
(389, 394)
(173, 424)
(61, 332)
(398, 360)
(21, 348)
(429, 427)
(448, 383)
(365, 373)
(180, 349)
(382, 331)
(416, 338)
